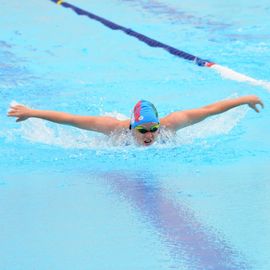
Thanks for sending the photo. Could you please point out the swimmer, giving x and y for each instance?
(144, 123)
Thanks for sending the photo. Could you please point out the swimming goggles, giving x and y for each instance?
(152, 129)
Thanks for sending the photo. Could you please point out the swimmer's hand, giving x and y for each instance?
(253, 101)
(20, 111)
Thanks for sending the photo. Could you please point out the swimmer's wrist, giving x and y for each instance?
(245, 100)
(33, 113)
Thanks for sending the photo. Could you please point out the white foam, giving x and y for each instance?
(217, 125)
(228, 73)
(40, 131)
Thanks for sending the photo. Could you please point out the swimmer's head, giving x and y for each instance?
(144, 123)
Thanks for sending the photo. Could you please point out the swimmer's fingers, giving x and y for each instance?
(18, 107)
(19, 111)
(254, 105)
(261, 103)
(12, 113)
(255, 108)
(19, 117)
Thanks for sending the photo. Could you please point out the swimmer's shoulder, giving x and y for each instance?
(166, 124)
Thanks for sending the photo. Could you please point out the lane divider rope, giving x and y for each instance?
(225, 72)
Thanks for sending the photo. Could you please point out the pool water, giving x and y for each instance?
(71, 199)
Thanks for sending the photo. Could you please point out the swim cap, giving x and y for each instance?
(143, 112)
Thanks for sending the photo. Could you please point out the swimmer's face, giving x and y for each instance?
(147, 138)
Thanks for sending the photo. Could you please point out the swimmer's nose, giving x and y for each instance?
(149, 134)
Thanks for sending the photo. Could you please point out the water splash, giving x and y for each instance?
(218, 125)
(40, 131)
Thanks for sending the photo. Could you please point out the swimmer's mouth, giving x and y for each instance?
(148, 142)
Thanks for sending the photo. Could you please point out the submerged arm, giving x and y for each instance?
(180, 119)
(103, 124)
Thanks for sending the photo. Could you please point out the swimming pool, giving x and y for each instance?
(75, 200)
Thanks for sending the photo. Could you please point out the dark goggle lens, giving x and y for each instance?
(154, 129)
(144, 130)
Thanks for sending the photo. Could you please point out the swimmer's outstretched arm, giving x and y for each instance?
(180, 119)
(103, 124)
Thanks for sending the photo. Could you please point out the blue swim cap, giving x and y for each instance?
(143, 112)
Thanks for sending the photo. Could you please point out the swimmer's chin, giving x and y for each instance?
(143, 144)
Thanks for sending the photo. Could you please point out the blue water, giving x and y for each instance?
(70, 199)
